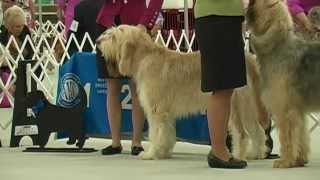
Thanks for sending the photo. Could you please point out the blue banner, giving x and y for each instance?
(81, 68)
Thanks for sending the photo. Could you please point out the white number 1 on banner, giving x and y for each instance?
(87, 88)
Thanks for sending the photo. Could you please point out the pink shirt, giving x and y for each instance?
(298, 6)
(132, 12)
(68, 7)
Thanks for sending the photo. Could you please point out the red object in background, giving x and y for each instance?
(4, 75)
(174, 20)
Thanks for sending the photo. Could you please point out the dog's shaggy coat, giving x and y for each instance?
(168, 82)
(248, 117)
(290, 78)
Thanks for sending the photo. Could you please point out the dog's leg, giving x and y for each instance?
(239, 143)
(153, 133)
(166, 139)
(303, 141)
(162, 136)
(289, 131)
(258, 139)
(239, 135)
(78, 132)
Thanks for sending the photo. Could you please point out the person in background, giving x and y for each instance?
(85, 15)
(219, 32)
(65, 12)
(26, 5)
(14, 26)
(28, 8)
(143, 13)
(299, 10)
(5, 4)
(157, 25)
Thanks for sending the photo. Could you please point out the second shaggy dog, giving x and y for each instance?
(290, 78)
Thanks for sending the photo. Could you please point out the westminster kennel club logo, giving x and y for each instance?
(69, 94)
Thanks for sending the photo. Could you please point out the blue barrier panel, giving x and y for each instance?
(81, 68)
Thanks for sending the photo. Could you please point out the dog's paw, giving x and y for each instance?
(165, 156)
(260, 155)
(300, 163)
(284, 163)
(244, 158)
(147, 156)
(303, 159)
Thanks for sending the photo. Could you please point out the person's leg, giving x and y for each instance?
(219, 77)
(114, 110)
(218, 115)
(138, 119)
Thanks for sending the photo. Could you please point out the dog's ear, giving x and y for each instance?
(113, 70)
(125, 59)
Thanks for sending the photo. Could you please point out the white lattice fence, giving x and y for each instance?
(178, 42)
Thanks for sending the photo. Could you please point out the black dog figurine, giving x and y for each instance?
(52, 118)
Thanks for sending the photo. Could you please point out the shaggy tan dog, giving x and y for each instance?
(248, 117)
(290, 78)
(168, 82)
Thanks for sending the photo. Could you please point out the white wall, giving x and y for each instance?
(176, 4)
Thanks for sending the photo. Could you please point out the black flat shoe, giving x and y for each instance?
(111, 150)
(136, 150)
(232, 163)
